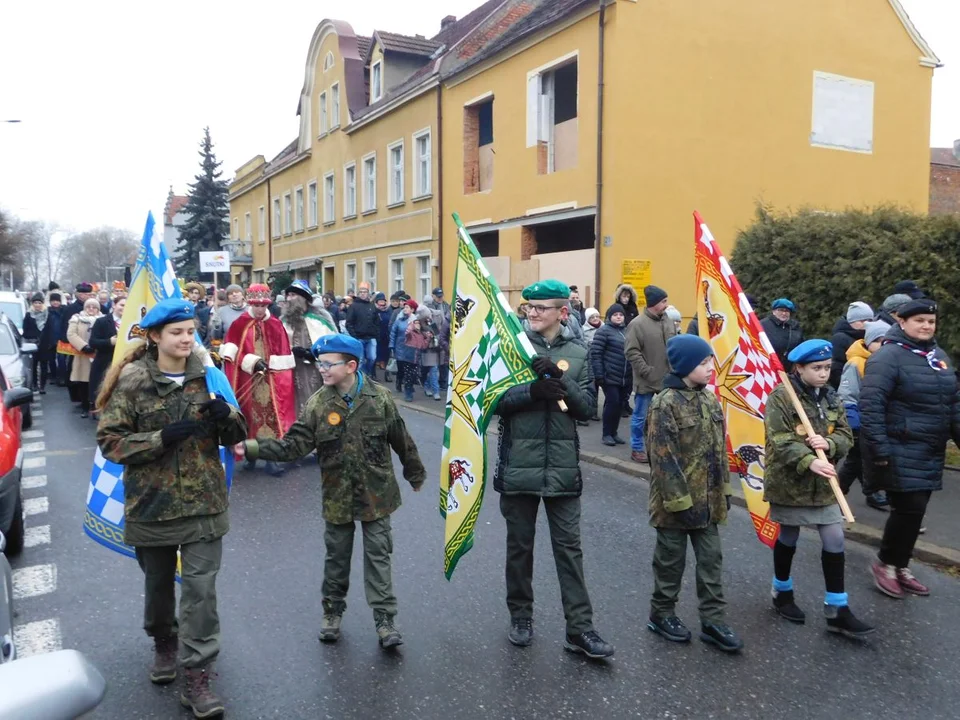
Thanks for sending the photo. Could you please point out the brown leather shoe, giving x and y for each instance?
(164, 668)
(639, 456)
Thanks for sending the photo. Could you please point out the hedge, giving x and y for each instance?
(825, 261)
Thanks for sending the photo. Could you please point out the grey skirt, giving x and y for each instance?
(790, 515)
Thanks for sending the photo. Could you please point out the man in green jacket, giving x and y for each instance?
(539, 458)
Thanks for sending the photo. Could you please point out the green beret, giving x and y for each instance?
(547, 290)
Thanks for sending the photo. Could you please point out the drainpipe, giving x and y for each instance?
(598, 235)
(439, 189)
(269, 230)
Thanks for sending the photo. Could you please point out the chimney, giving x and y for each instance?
(447, 21)
(956, 149)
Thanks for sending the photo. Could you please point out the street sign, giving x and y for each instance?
(216, 261)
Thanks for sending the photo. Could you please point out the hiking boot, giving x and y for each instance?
(720, 635)
(590, 644)
(330, 628)
(164, 668)
(521, 631)
(639, 456)
(608, 440)
(619, 440)
(909, 584)
(878, 501)
(786, 607)
(841, 620)
(389, 636)
(198, 696)
(885, 578)
(672, 628)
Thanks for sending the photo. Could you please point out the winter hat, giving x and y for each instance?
(234, 288)
(259, 294)
(784, 304)
(923, 306)
(398, 295)
(673, 313)
(413, 304)
(424, 313)
(53, 286)
(894, 302)
(874, 331)
(54, 296)
(685, 352)
(379, 296)
(654, 296)
(36, 297)
(613, 309)
(908, 287)
(589, 313)
(859, 312)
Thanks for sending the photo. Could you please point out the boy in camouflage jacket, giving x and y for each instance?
(352, 423)
(689, 492)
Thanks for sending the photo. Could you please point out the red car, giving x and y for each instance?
(11, 463)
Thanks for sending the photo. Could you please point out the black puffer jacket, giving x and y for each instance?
(844, 335)
(363, 320)
(784, 336)
(908, 411)
(607, 358)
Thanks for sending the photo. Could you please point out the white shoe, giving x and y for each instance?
(436, 396)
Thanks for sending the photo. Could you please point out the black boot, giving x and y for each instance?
(787, 608)
(841, 620)
(521, 631)
(672, 628)
(721, 636)
(590, 644)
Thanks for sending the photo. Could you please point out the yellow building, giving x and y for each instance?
(709, 106)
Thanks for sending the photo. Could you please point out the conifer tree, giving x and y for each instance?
(207, 213)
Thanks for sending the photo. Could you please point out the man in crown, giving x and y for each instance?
(304, 325)
(260, 366)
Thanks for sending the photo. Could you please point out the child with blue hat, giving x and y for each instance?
(797, 483)
(352, 423)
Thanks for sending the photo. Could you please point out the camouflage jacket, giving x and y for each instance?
(161, 483)
(354, 451)
(787, 476)
(687, 447)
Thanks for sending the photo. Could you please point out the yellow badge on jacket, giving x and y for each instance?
(563, 365)
(334, 418)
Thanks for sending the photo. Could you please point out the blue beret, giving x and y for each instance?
(167, 311)
(338, 344)
(784, 304)
(811, 351)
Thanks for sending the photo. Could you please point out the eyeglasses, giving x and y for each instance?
(327, 366)
(540, 309)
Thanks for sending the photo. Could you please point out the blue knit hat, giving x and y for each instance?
(685, 352)
(784, 304)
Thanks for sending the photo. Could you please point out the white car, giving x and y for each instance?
(14, 306)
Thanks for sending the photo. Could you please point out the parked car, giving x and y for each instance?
(16, 361)
(11, 464)
(14, 306)
(7, 650)
(59, 685)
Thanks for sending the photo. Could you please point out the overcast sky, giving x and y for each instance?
(113, 100)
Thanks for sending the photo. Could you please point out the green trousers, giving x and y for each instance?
(377, 577)
(199, 624)
(669, 560)
(563, 517)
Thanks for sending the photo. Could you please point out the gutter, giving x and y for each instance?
(439, 188)
(598, 221)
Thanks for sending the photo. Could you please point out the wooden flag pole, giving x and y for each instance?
(805, 421)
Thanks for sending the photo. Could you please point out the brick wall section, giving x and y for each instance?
(944, 189)
(497, 28)
(471, 150)
(528, 243)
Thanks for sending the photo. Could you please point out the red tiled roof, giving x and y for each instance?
(409, 45)
(175, 203)
(456, 31)
(943, 156)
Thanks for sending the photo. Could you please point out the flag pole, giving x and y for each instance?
(808, 428)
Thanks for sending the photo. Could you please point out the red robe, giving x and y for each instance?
(268, 400)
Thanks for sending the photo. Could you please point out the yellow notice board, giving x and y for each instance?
(638, 273)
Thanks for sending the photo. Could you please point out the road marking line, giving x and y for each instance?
(32, 482)
(34, 580)
(37, 638)
(28, 434)
(34, 447)
(35, 506)
(34, 536)
(34, 463)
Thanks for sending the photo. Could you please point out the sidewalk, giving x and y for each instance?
(940, 545)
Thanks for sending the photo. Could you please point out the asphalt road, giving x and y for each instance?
(456, 662)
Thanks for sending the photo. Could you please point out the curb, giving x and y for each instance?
(858, 532)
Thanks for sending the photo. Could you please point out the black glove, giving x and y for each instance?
(87, 350)
(216, 409)
(545, 367)
(179, 431)
(548, 390)
(261, 366)
(728, 503)
(302, 353)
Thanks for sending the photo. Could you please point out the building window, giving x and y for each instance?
(370, 274)
(329, 197)
(478, 147)
(350, 190)
(323, 114)
(376, 81)
(395, 178)
(312, 201)
(277, 227)
(396, 271)
(236, 228)
(328, 61)
(298, 195)
(287, 214)
(350, 277)
(552, 117)
(424, 276)
(335, 106)
(370, 183)
(422, 165)
(248, 228)
(262, 234)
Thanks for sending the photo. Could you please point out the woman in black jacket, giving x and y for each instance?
(103, 339)
(909, 408)
(611, 371)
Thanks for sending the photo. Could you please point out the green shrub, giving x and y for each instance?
(823, 262)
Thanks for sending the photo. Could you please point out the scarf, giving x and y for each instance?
(88, 319)
(40, 318)
(928, 355)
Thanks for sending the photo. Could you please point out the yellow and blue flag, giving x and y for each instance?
(153, 280)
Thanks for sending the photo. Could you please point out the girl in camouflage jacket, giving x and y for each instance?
(797, 482)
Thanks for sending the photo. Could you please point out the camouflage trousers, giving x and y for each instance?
(377, 573)
(199, 624)
(669, 560)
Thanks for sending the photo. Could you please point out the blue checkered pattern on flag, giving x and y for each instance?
(153, 280)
